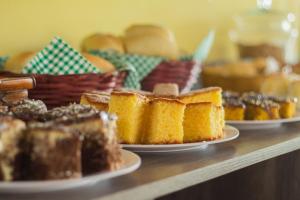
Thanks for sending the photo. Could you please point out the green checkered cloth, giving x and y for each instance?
(138, 66)
(59, 58)
(3, 59)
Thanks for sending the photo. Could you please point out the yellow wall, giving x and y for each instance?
(30, 24)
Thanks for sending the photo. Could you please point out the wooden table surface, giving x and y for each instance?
(163, 174)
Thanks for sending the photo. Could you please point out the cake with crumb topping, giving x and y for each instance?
(260, 108)
(234, 107)
(100, 148)
(288, 106)
(28, 110)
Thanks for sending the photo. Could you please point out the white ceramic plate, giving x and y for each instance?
(261, 124)
(131, 163)
(229, 132)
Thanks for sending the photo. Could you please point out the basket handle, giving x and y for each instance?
(16, 83)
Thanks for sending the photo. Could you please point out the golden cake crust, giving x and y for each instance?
(127, 93)
(168, 100)
(200, 91)
(95, 98)
(199, 103)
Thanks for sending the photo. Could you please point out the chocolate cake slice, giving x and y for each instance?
(10, 138)
(51, 152)
(100, 148)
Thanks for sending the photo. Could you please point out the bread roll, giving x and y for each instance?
(100, 41)
(150, 40)
(100, 63)
(17, 62)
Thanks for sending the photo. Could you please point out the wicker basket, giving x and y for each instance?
(64, 89)
(183, 73)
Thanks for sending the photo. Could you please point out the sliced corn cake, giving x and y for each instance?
(164, 122)
(129, 108)
(210, 94)
(203, 121)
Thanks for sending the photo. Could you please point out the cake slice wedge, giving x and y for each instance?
(287, 105)
(210, 94)
(100, 148)
(233, 106)
(129, 107)
(203, 121)
(50, 153)
(164, 122)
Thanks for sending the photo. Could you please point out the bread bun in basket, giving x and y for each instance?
(150, 40)
(100, 63)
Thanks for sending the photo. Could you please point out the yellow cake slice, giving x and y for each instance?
(129, 108)
(203, 121)
(259, 107)
(97, 99)
(164, 122)
(210, 94)
(287, 105)
(233, 106)
(220, 121)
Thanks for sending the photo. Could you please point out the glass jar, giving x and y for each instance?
(264, 32)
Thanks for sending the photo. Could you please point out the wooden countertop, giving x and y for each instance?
(163, 174)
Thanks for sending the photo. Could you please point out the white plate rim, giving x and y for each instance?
(180, 147)
(131, 163)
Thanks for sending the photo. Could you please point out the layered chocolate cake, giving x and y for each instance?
(10, 151)
(51, 152)
(100, 148)
(68, 142)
